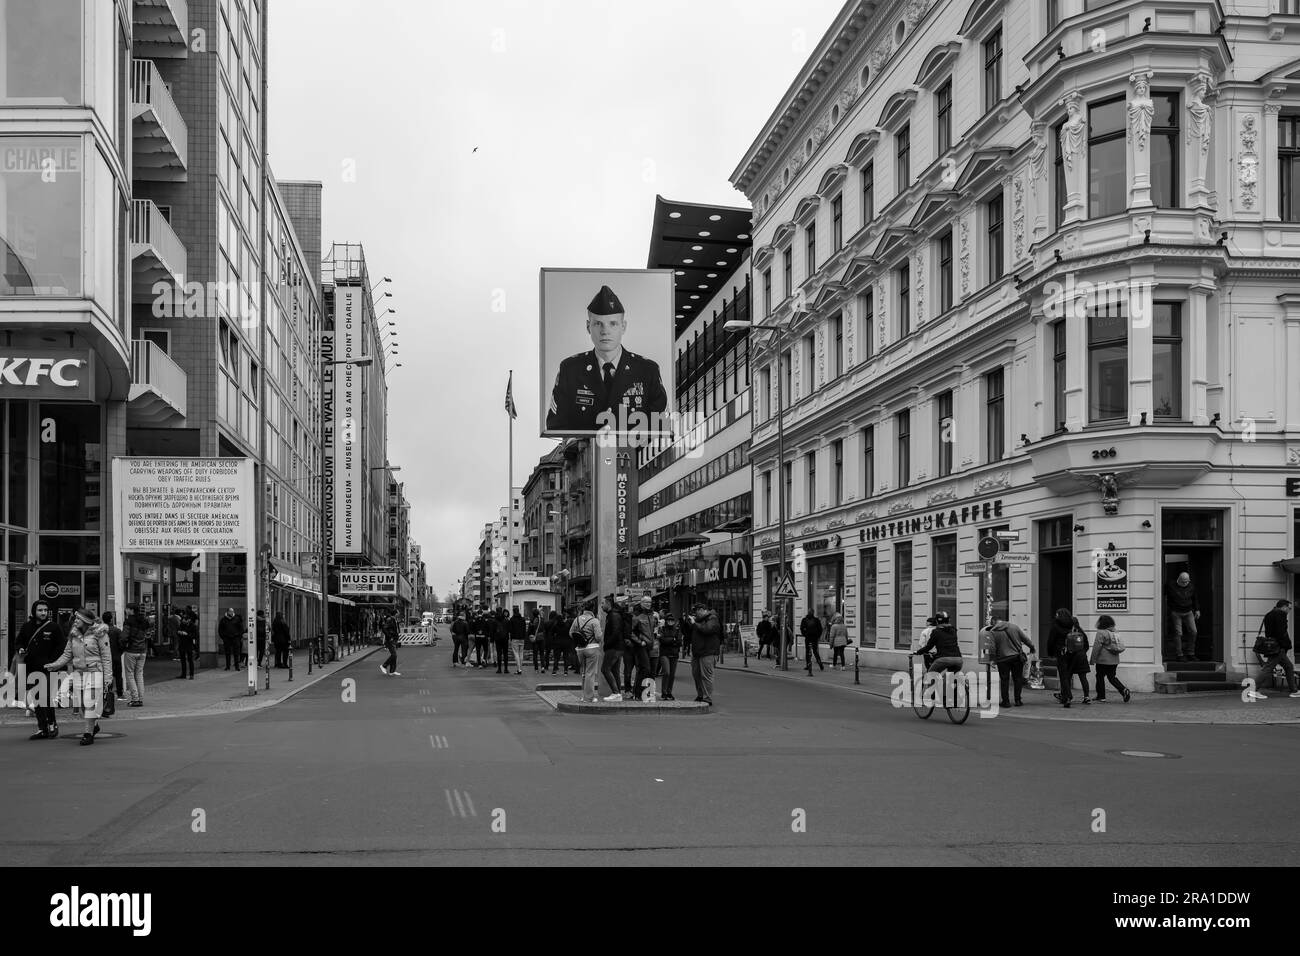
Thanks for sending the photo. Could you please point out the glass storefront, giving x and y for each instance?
(826, 588)
(943, 561)
(903, 594)
(52, 545)
(867, 581)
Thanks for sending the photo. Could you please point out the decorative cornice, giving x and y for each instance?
(942, 494)
(902, 504)
(990, 482)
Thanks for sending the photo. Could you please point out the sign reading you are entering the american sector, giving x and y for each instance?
(183, 504)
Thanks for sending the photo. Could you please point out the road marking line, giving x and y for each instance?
(438, 742)
(450, 806)
(424, 692)
(459, 806)
(472, 811)
(428, 710)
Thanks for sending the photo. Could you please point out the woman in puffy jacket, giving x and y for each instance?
(89, 656)
(839, 638)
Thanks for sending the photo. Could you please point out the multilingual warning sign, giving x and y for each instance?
(183, 504)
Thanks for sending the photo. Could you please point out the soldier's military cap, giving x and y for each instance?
(605, 303)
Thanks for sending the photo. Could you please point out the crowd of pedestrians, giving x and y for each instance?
(633, 649)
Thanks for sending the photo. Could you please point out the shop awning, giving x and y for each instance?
(335, 599)
(687, 541)
(1289, 565)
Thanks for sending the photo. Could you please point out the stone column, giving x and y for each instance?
(965, 413)
(925, 439)
(1074, 145)
(1076, 365)
(1200, 131)
(1270, 198)
(1140, 346)
(1040, 395)
(1290, 303)
(1197, 351)
(1140, 111)
(1040, 190)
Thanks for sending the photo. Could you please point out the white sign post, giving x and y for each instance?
(187, 506)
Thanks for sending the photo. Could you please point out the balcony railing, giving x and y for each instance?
(156, 252)
(157, 385)
(161, 141)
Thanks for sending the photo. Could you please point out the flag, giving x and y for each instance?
(510, 398)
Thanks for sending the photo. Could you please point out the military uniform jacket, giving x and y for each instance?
(579, 396)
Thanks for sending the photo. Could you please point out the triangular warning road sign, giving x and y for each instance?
(786, 588)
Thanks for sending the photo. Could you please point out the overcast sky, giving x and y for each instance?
(490, 139)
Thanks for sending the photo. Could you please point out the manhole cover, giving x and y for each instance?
(1144, 753)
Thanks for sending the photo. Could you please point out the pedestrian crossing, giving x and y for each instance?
(428, 710)
(460, 804)
(438, 742)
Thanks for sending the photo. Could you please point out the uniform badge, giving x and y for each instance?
(586, 397)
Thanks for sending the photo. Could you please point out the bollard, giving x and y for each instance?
(744, 644)
(856, 678)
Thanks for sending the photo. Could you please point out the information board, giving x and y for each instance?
(183, 504)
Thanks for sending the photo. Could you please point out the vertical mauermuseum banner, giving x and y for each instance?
(348, 381)
(607, 352)
(327, 436)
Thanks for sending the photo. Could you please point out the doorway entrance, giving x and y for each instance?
(1191, 542)
(1055, 573)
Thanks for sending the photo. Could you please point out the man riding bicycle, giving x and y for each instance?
(942, 649)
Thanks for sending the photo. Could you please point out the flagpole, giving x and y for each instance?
(510, 502)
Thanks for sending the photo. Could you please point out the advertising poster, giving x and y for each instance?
(607, 351)
(1112, 580)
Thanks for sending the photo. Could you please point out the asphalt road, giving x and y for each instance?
(418, 769)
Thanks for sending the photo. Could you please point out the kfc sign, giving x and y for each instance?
(54, 373)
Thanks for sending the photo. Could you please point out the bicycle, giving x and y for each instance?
(923, 702)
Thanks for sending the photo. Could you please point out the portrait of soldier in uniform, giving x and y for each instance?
(607, 384)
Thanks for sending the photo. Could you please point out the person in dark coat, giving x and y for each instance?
(230, 629)
(115, 643)
(706, 640)
(187, 642)
(670, 645)
(766, 635)
(1071, 655)
(388, 627)
(1274, 626)
(559, 642)
(280, 639)
(518, 629)
(501, 640)
(811, 629)
(615, 638)
(39, 643)
(460, 640)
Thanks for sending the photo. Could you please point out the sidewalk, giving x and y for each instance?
(1194, 708)
(212, 691)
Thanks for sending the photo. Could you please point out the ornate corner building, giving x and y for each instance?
(1037, 269)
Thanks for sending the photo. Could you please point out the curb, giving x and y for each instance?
(231, 705)
(862, 692)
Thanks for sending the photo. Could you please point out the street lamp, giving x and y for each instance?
(737, 325)
(362, 360)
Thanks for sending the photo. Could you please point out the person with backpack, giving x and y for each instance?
(811, 629)
(588, 639)
(1106, 649)
(942, 648)
(560, 645)
(1271, 645)
(1008, 648)
(1069, 645)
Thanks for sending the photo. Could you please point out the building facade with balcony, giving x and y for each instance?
(66, 235)
(1033, 266)
(576, 575)
(540, 548)
(694, 493)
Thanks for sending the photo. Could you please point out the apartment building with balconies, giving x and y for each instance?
(1034, 267)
